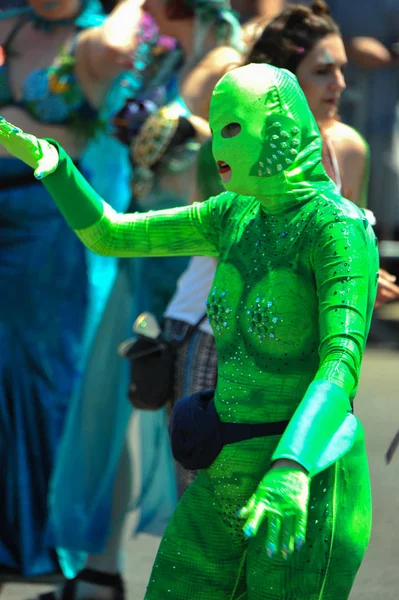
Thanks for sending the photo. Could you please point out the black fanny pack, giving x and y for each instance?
(197, 434)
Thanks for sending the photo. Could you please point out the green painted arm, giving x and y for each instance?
(183, 231)
(322, 428)
(75, 198)
(78, 202)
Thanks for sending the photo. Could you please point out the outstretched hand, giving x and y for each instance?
(282, 497)
(38, 154)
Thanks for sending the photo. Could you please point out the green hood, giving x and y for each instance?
(274, 149)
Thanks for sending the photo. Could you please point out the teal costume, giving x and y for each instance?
(48, 328)
(290, 306)
(80, 512)
(43, 277)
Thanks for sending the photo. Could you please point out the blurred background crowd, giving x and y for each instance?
(125, 87)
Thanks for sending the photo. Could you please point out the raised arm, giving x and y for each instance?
(192, 230)
(183, 231)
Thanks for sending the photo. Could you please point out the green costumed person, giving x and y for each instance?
(290, 306)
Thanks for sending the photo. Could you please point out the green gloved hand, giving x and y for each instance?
(282, 497)
(38, 154)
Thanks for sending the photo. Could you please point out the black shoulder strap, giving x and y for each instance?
(14, 30)
(198, 323)
(192, 329)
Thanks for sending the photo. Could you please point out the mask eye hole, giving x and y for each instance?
(231, 130)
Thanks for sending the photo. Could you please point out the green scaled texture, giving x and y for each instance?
(290, 306)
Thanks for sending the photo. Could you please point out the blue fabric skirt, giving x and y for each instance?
(43, 300)
(53, 294)
(82, 486)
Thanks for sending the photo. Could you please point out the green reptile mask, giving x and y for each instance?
(264, 130)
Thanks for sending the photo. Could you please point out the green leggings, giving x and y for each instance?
(205, 556)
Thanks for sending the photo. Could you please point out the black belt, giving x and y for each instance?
(239, 432)
(198, 435)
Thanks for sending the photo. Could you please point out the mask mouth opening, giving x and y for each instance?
(224, 171)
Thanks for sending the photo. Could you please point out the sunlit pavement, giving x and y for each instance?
(377, 405)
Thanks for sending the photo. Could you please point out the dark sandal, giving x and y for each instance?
(115, 582)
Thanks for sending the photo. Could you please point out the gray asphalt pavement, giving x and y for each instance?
(377, 407)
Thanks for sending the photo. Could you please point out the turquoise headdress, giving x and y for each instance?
(216, 14)
(91, 15)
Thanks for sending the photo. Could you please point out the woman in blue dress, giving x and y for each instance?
(50, 81)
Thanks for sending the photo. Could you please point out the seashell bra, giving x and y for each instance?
(52, 95)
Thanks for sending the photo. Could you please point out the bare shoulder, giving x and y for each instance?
(222, 55)
(221, 59)
(204, 77)
(352, 153)
(347, 141)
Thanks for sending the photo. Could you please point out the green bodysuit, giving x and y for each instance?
(290, 307)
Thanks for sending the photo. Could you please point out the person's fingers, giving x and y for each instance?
(6, 128)
(389, 277)
(389, 286)
(4, 124)
(288, 536)
(300, 530)
(386, 294)
(273, 534)
(247, 509)
(252, 525)
(14, 139)
(384, 274)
